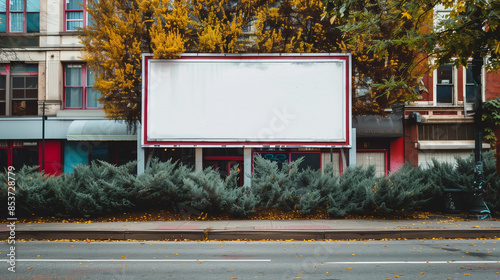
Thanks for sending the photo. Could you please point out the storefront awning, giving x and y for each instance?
(379, 126)
(99, 130)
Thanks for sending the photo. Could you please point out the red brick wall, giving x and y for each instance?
(460, 83)
(411, 139)
(492, 88)
(428, 83)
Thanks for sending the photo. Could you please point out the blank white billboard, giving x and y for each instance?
(247, 101)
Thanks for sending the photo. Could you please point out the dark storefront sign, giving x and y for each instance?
(379, 126)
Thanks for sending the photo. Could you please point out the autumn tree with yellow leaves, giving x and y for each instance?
(382, 76)
(124, 30)
(114, 45)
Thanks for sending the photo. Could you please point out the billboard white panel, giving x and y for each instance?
(247, 101)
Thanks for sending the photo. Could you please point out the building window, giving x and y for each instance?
(86, 152)
(365, 158)
(20, 16)
(470, 86)
(18, 90)
(79, 92)
(75, 15)
(311, 159)
(444, 87)
(3, 95)
(18, 154)
(439, 132)
(24, 95)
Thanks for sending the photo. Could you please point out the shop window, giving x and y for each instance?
(311, 159)
(24, 156)
(18, 154)
(4, 159)
(20, 16)
(375, 158)
(76, 16)
(83, 152)
(79, 92)
(444, 87)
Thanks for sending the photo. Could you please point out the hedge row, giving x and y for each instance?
(103, 188)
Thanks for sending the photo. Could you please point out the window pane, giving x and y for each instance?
(93, 98)
(3, 22)
(312, 160)
(468, 75)
(73, 97)
(31, 82)
(75, 153)
(444, 94)
(90, 78)
(32, 93)
(74, 20)
(73, 25)
(18, 93)
(74, 75)
(33, 22)
(21, 157)
(470, 94)
(24, 107)
(16, 22)
(74, 16)
(2, 82)
(100, 151)
(2, 94)
(18, 82)
(3, 6)
(33, 6)
(3, 159)
(24, 68)
(17, 5)
(366, 159)
(445, 74)
(74, 5)
(2, 108)
(90, 20)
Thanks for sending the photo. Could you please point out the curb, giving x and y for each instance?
(228, 235)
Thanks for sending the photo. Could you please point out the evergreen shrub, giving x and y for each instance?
(209, 193)
(409, 189)
(104, 188)
(274, 186)
(161, 185)
(353, 194)
(100, 188)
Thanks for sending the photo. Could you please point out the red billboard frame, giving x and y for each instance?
(285, 144)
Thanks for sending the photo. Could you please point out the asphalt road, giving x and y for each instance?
(408, 259)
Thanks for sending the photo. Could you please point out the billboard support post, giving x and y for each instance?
(352, 150)
(140, 152)
(198, 159)
(247, 167)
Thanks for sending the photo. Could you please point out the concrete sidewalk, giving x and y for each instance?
(439, 227)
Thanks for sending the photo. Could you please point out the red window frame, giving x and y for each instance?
(8, 15)
(84, 14)
(84, 87)
(10, 145)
